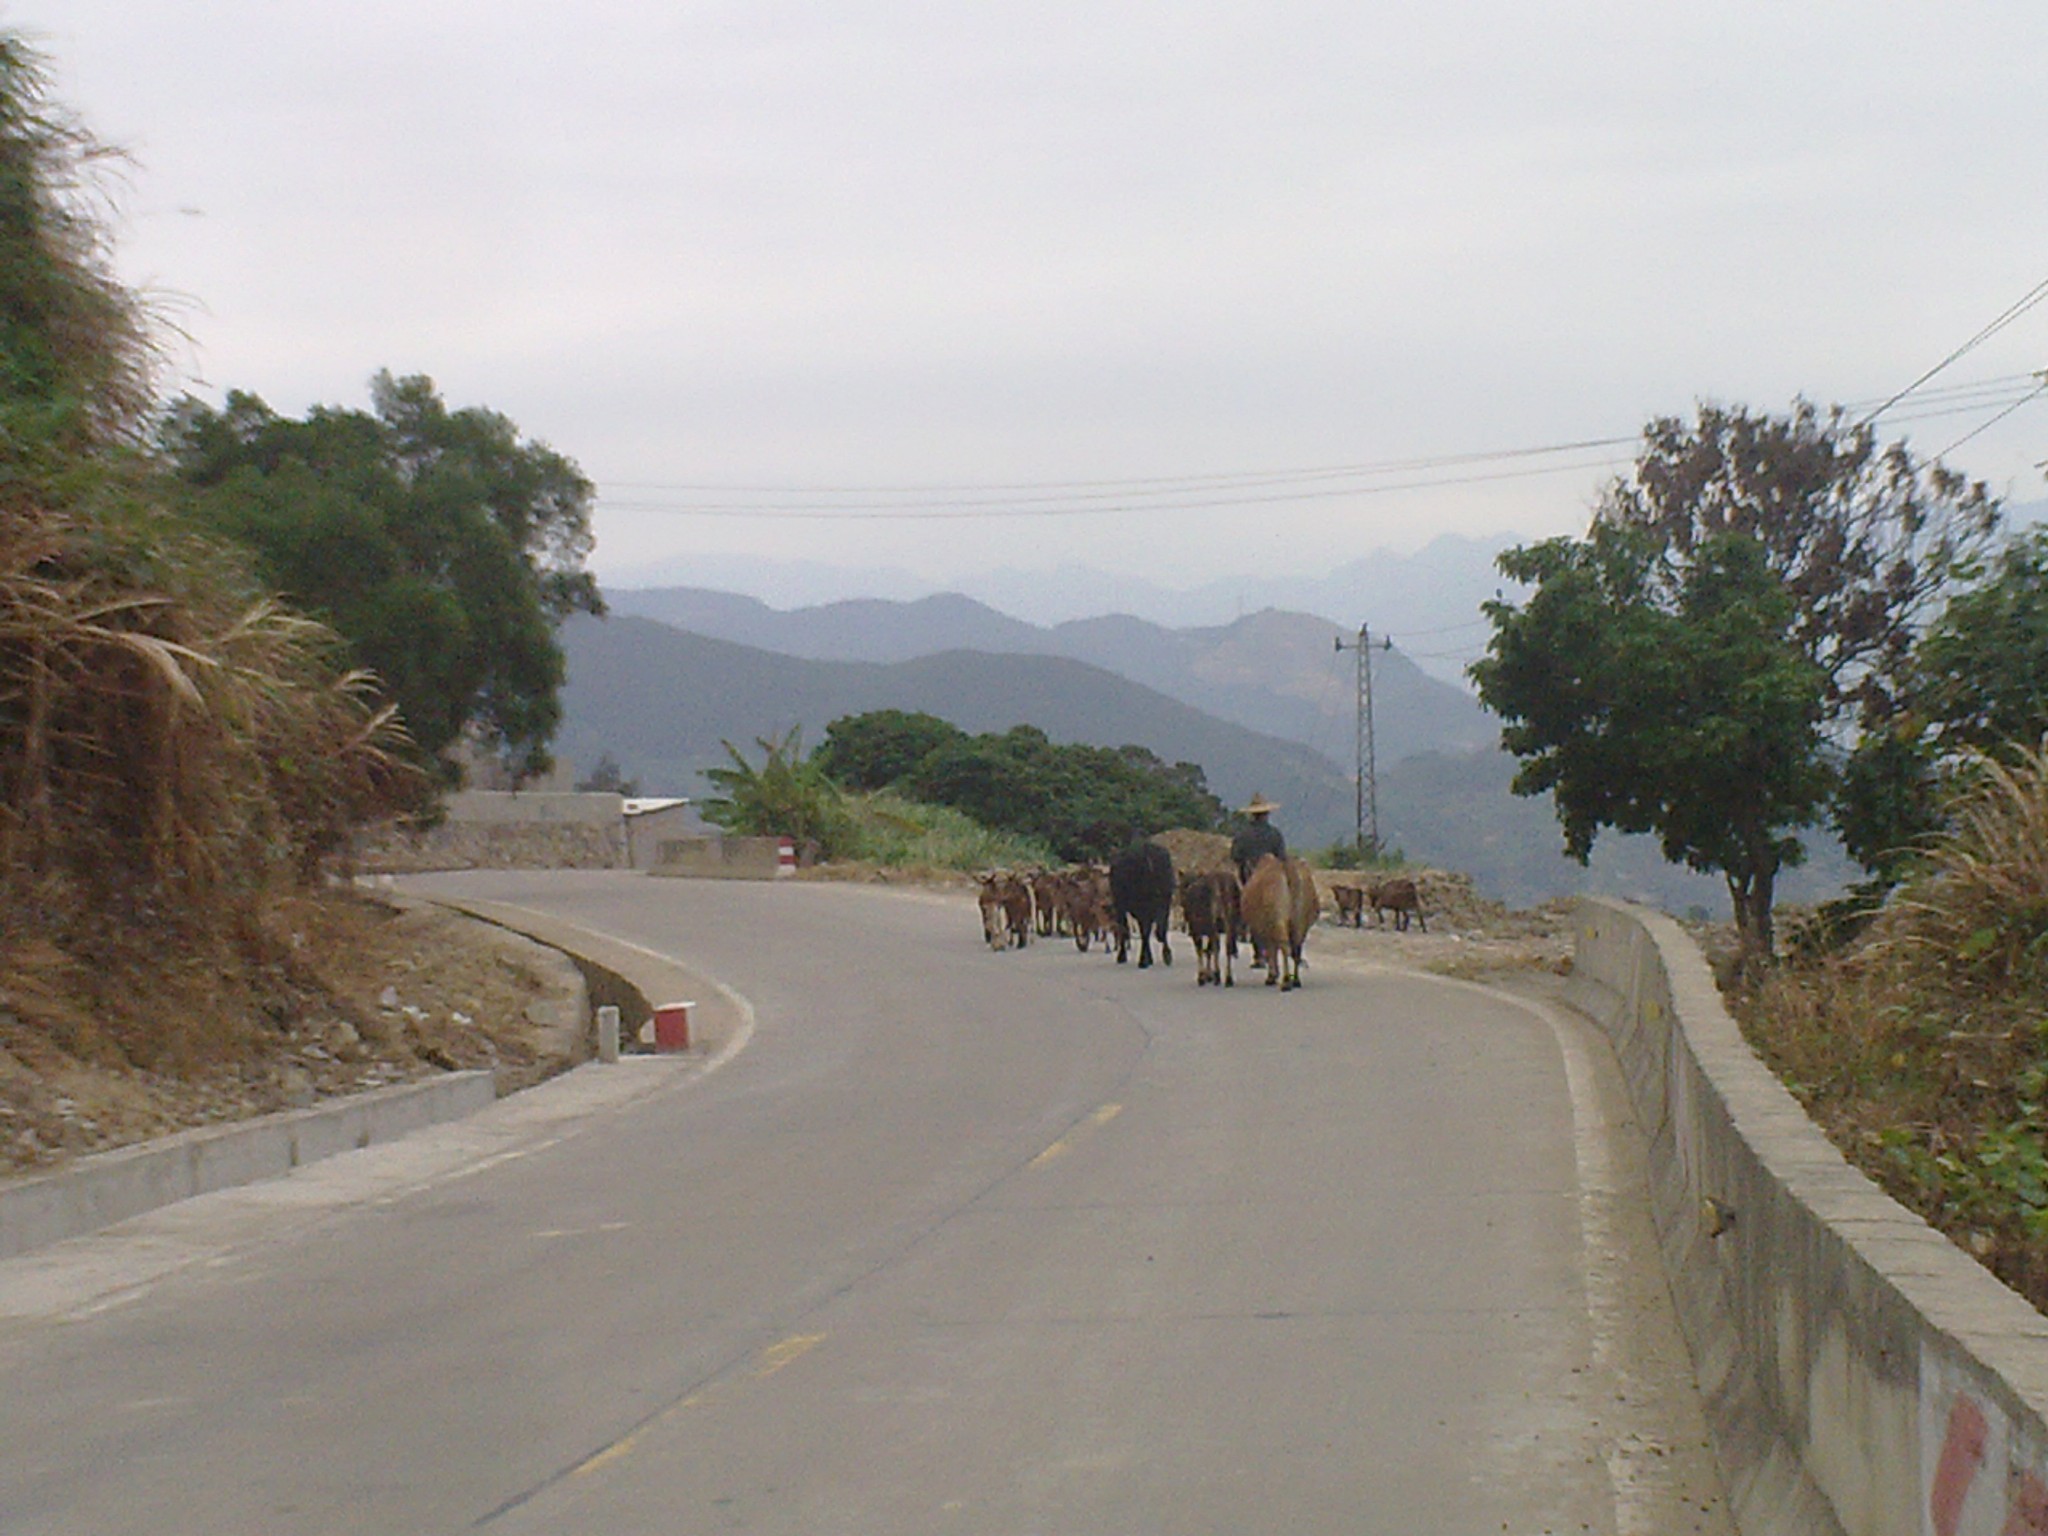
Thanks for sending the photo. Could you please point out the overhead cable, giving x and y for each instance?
(2032, 297)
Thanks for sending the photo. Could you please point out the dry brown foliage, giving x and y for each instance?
(170, 754)
(1923, 1050)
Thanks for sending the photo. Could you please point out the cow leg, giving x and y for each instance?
(1165, 947)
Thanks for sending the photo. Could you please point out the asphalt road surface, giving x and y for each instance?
(959, 1242)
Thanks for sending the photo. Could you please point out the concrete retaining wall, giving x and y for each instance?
(1863, 1376)
(103, 1188)
(492, 845)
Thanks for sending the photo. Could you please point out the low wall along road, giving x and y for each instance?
(1863, 1375)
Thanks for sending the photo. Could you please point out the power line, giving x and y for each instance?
(917, 512)
(964, 501)
(2035, 394)
(1143, 484)
(2032, 297)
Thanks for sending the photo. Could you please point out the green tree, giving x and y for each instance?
(1861, 542)
(1980, 678)
(1868, 540)
(441, 545)
(1974, 686)
(1085, 801)
(786, 796)
(75, 359)
(1651, 693)
(881, 747)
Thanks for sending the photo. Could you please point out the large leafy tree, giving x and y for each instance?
(1654, 695)
(1793, 562)
(1868, 541)
(1980, 678)
(444, 547)
(1085, 802)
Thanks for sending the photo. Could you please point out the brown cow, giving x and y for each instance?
(1350, 903)
(1084, 904)
(1005, 909)
(1400, 897)
(1280, 905)
(1209, 904)
(1046, 902)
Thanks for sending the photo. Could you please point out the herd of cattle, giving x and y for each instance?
(1273, 910)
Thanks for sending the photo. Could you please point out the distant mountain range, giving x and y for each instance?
(1263, 703)
(1272, 672)
(1428, 601)
(660, 700)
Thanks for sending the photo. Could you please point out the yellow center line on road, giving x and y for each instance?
(1100, 1118)
(769, 1361)
(777, 1356)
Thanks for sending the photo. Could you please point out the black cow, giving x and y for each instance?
(1141, 887)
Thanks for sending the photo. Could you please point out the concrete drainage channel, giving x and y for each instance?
(96, 1191)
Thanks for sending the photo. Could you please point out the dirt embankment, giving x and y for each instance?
(369, 994)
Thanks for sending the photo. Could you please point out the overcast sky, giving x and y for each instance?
(805, 247)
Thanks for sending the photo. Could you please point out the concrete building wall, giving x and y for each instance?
(648, 831)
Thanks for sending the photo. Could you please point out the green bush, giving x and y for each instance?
(892, 830)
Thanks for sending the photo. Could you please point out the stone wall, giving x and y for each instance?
(492, 845)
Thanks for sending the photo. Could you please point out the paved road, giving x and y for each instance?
(960, 1242)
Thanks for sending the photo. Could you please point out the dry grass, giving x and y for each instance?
(176, 751)
(1923, 1050)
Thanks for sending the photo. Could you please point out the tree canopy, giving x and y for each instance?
(1083, 801)
(441, 545)
(881, 747)
(1867, 540)
(1744, 608)
(1651, 696)
(1974, 687)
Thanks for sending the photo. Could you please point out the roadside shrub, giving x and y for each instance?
(897, 832)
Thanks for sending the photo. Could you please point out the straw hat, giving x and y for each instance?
(1261, 805)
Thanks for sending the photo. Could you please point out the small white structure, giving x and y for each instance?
(650, 822)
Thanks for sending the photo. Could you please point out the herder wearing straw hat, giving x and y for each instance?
(1259, 838)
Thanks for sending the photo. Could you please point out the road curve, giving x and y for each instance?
(961, 1241)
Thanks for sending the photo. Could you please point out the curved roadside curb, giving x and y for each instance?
(1863, 1376)
(101, 1189)
(628, 976)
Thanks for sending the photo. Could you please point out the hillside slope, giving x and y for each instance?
(660, 700)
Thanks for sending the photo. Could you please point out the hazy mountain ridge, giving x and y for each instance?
(1435, 589)
(1273, 672)
(660, 700)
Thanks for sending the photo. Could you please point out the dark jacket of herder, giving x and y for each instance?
(1253, 844)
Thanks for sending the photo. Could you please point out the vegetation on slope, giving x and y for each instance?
(174, 746)
(1922, 1047)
